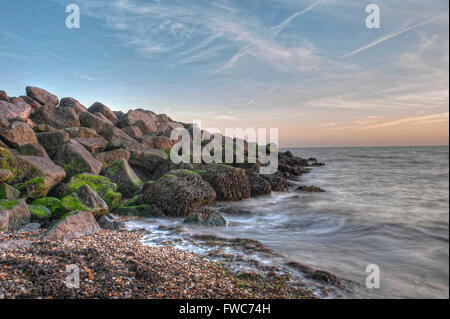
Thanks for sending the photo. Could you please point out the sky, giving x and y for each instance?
(310, 68)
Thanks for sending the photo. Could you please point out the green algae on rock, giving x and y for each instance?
(206, 215)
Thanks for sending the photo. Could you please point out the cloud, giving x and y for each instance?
(390, 36)
(286, 22)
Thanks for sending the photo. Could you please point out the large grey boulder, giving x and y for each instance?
(148, 159)
(13, 214)
(111, 156)
(145, 120)
(98, 107)
(57, 117)
(75, 159)
(33, 149)
(18, 134)
(41, 95)
(71, 102)
(178, 193)
(53, 141)
(12, 111)
(157, 142)
(93, 145)
(116, 137)
(78, 224)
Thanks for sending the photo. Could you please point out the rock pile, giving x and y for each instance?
(65, 166)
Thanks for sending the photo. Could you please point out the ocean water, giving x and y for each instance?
(387, 206)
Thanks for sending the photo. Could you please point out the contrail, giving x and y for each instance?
(390, 36)
(286, 22)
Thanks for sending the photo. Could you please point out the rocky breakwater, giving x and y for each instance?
(70, 170)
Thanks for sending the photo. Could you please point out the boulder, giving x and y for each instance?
(110, 222)
(82, 132)
(48, 202)
(28, 100)
(57, 117)
(123, 175)
(8, 192)
(178, 193)
(309, 189)
(13, 214)
(142, 210)
(39, 214)
(33, 176)
(207, 216)
(41, 128)
(18, 134)
(3, 96)
(19, 110)
(258, 185)
(145, 120)
(157, 142)
(75, 159)
(33, 149)
(84, 198)
(5, 175)
(168, 166)
(230, 183)
(3, 122)
(71, 102)
(98, 107)
(133, 131)
(41, 95)
(148, 159)
(116, 137)
(277, 181)
(111, 156)
(53, 141)
(100, 184)
(93, 145)
(77, 224)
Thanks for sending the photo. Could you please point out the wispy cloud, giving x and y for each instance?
(390, 36)
(287, 21)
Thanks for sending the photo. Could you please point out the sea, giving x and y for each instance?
(384, 213)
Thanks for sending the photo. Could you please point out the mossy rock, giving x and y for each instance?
(102, 185)
(140, 210)
(34, 188)
(8, 192)
(112, 199)
(48, 202)
(39, 213)
(207, 216)
(68, 204)
(121, 173)
(132, 201)
(6, 204)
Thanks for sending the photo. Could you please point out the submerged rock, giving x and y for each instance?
(206, 215)
(309, 189)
